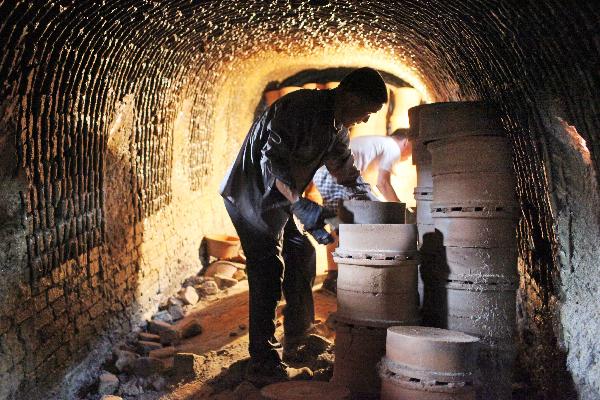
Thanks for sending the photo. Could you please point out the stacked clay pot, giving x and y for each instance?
(371, 212)
(358, 350)
(429, 243)
(424, 363)
(470, 283)
(376, 289)
(424, 191)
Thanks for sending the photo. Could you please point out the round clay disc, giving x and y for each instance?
(305, 390)
(428, 334)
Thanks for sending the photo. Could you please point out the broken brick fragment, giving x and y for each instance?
(145, 347)
(148, 337)
(190, 328)
(146, 366)
(188, 365)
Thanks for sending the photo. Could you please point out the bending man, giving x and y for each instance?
(380, 152)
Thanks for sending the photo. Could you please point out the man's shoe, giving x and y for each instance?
(261, 374)
(330, 285)
(304, 348)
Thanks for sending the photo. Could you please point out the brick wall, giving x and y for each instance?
(118, 119)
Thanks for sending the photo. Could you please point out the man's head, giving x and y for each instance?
(361, 93)
(402, 139)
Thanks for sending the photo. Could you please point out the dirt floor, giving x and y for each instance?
(211, 365)
(224, 346)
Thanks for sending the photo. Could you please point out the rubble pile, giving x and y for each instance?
(142, 365)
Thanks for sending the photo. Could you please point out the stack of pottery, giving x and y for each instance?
(423, 363)
(470, 285)
(424, 191)
(429, 243)
(376, 289)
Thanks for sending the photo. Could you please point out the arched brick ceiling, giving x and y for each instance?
(65, 64)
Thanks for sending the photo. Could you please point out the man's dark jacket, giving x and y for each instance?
(289, 142)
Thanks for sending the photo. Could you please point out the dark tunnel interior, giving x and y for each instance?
(119, 118)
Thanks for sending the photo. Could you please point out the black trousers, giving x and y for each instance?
(274, 266)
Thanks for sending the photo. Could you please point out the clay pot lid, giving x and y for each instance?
(371, 212)
(432, 334)
(222, 267)
(394, 239)
(305, 390)
(440, 121)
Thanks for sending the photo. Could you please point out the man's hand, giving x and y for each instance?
(322, 236)
(312, 216)
(384, 184)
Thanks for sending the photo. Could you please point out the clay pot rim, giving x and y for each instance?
(429, 375)
(421, 386)
(234, 240)
(491, 205)
(445, 135)
(368, 203)
(432, 334)
(423, 189)
(506, 175)
(441, 143)
(376, 226)
(374, 263)
(423, 198)
(442, 136)
(484, 279)
(473, 286)
(474, 248)
(473, 174)
(474, 210)
(370, 323)
(378, 330)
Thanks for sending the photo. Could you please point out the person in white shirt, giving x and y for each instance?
(380, 152)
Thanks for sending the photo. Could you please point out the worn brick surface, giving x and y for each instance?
(5, 324)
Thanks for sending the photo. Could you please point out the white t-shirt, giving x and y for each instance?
(381, 149)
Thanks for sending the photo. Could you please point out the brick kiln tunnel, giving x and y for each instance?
(118, 120)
